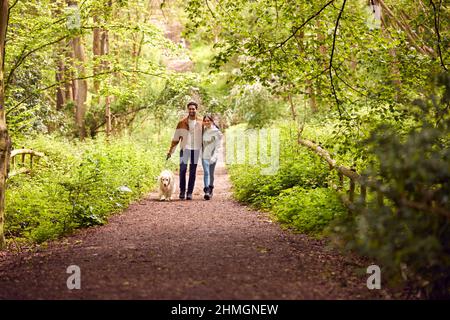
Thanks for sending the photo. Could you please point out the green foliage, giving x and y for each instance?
(39, 46)
(254, 105)
(79, 185)
(252, 63)
(308, 210)
(377, 67)
(410, 232)
(297, 194)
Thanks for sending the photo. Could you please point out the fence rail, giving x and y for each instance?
(22, 153)
(364, 182)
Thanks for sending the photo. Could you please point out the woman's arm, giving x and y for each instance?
(217, 146)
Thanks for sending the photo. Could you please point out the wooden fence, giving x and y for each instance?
(22, 153)
(356, 180)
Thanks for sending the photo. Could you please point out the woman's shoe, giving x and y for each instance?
(206, 196)
(210, 189)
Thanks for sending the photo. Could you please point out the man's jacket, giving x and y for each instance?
(181, 135)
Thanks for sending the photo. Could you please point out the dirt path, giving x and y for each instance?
(199, 249)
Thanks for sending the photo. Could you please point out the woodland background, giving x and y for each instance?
(95, 87)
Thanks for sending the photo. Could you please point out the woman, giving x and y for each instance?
(212, 138)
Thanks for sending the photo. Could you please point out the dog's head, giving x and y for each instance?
(165, 178)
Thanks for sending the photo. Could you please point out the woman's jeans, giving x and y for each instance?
(191, 157)
(208, 173)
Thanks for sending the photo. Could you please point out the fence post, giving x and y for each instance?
(380, 198)
(363, 194)
(352, 185)
(23, 157)
(341, 180)
(352, 190)
(22, 166)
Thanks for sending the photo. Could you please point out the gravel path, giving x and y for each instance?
(196, 249)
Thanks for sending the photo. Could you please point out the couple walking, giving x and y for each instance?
(199, 139)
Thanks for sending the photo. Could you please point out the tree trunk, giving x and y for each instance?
(68, 73)
(312, 96)
(108, 116)
(291, 104)
(97, 69)
(105, 51)
(60, 91)
(96, 49)
(60, 49)
(5, 141)
(79, 86)
(413, 38)
(80, 92)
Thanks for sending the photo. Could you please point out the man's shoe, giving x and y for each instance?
(181, 195)
(210, 191)
(206, 191)
(189, 196)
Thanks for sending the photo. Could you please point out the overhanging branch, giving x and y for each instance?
(297, 29)
(333, 90)
(24, 56)
(436, 27)
(56, 84)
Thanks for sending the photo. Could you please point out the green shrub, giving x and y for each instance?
(409, 234)
(79, 184)
(285, 193)
(308, 210)
(254, 104)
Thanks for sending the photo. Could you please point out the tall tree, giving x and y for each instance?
(5, 141)
(60, 50)
(96, 50)
(80, 86)
(105, 51)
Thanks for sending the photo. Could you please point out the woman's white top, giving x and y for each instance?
(212, 140)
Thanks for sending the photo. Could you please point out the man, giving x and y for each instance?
(189, 131)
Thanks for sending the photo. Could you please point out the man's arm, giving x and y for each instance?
(177, 136)
(174, 144)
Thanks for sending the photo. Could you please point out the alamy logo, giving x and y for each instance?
(74, 280)
(373, 18)
(73, 17)
(254, 146)
(374, 281)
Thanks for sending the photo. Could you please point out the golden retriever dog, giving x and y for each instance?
(166, 185)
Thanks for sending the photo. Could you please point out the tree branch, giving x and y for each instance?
(348, 85)
(210, 10)
(119, 115)
(412, 37)
(22, 58)
(13, 5)
(348, 172)
(331, 58)
(297, 29)
(436, 26)
(79, 78)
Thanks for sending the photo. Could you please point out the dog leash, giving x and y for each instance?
(165, 162)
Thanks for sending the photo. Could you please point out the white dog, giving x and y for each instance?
(166, 185)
